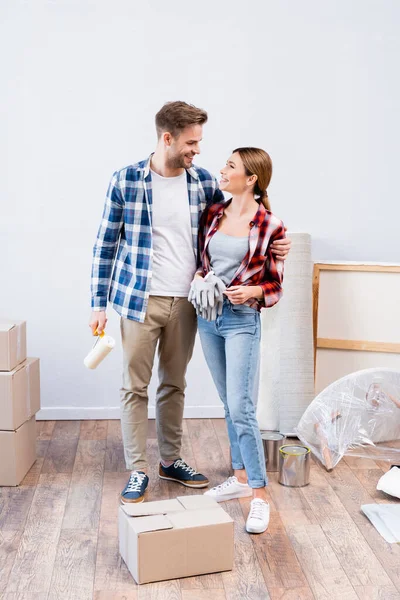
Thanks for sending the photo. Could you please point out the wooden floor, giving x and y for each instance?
(58, 530)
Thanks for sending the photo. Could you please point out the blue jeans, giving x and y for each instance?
(231, 346)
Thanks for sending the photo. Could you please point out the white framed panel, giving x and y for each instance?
(359, 305)
(334, 364)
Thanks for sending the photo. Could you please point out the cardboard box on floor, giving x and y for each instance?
(12, 343)
(17, 452)
(19, 394)
(170, 539)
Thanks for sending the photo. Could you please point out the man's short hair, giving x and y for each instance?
(175, 116)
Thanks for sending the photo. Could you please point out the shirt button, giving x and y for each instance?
(251, 223)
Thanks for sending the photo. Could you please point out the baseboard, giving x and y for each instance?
(72, 413)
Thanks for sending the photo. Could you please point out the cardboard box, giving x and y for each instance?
(12, 344)
(169, 539)
(17, 452)
(19, 394)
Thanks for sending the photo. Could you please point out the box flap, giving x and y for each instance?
(159, 507)
(12, 373)
(199, 518)
(30, 360)
(6, 325)
(151, 523)
(12, 343)
(197, 501)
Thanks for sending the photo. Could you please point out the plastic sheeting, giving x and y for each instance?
(351, 415)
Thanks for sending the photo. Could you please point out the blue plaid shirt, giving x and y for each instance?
(123, 252)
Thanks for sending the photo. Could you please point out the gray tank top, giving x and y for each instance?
(226, 253)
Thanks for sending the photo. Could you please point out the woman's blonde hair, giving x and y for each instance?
(257, 162)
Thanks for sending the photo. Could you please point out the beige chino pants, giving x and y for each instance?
(170, 322)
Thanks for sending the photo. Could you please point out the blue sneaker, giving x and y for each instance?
(135, 488)
(180, 472)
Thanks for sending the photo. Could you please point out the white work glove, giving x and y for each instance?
(211, 313)
(205, 291)
(206, 295)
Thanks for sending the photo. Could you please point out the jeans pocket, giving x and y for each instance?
(244, 320)
(242, 309)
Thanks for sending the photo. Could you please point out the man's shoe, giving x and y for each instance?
(258, 519)
(229, 489)
(135, 488)
(180, 472)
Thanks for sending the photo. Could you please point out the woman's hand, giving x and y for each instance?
(239, 294)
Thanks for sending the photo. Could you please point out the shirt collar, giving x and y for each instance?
(258, 218)
(260, 214)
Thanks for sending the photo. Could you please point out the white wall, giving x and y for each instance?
(312, 82)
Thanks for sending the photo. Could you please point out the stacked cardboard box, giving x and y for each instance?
(19, 402)
(170, 539)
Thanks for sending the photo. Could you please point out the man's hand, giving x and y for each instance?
(280, 248)
(98, 321)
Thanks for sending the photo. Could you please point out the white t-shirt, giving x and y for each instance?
(174, 262)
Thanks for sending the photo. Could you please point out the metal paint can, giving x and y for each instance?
(272, 441)
(294, 465)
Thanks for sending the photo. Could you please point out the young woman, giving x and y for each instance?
(234, 242)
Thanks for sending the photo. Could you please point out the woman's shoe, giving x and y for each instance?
(229, 489)
(258, 519)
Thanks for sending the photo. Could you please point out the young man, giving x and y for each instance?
(144, 260)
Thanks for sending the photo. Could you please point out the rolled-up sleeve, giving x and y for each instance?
(273, 279)
(106, 244)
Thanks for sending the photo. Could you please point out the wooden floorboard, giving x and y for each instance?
(353, 494)
(74, 566)
(33, 566)
(114, 461)
(60, 455)
(59, 528)
(354, 554)
(93, 430)
(84, 499)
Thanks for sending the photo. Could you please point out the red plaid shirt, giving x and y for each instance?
(259, 266)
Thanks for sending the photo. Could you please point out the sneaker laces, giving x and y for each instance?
(222, 486)
(135, 482)
(257, 509)
(181, 463)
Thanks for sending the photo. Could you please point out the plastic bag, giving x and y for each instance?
(354, 413)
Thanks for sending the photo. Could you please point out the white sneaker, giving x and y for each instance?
(258, 518)
(229, 489)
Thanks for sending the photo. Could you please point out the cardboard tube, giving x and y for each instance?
(102, 347)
